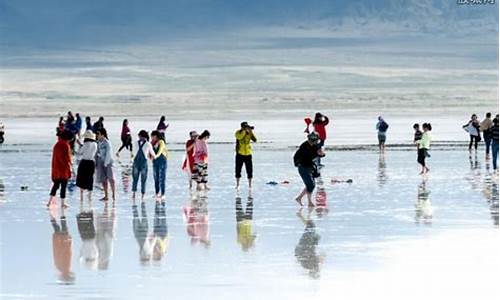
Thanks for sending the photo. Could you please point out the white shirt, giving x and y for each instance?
(88, 150)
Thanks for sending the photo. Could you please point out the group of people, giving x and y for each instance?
(489, 129)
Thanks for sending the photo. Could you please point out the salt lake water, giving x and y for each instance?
(390, 233)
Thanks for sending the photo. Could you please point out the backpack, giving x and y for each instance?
(383, 126)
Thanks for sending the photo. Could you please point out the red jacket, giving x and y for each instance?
(61, 160)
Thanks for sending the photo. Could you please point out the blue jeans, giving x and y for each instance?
(159, 174)
(494, 149)
(139, 169)
(307, 177)
(487, 143)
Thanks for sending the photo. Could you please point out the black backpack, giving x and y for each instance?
(383, 126)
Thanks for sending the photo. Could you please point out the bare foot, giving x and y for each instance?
(299, 201)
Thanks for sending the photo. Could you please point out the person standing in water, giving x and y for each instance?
(2, 132)
(381, 127)
(424, 145)
(61, 167)
(484, 127)
(473, 128)
(201, 160)
(126, 139)
(88, 124)
(304, 161)
(417, 136)
(244, 137)
(98, 125)
(188, 163)
(494, 143)
(86, 167)
(140, 165)
(104, 163)
(60, 126)
(160, 163)
(162, 126)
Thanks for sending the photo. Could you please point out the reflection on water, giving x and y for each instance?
(382, 167)
(244, 224)
(105, 233)
(321, 199)
(160, 231)
(474, 176)
(305, 251)
(126, 172)
(197, 219)
(490, 192)
(423, 206)
(86, 227)
(61, 247)
(2, 190)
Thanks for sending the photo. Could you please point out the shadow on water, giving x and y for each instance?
(244, 223)
(305, 251)
(197, 219)
(423, 206)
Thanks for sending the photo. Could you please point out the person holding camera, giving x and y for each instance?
(304, 159)
(244, 138)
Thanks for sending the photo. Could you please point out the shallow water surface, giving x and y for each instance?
(390, 231)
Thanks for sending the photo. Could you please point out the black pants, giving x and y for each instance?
(421, 155)
(63, 183)
(474, 139)
(126, 143)
(247, 160)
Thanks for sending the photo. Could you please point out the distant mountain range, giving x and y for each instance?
(59, 21)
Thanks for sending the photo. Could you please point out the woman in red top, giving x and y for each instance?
(61, 167)
(188, 164)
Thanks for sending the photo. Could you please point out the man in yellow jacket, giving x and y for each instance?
(244, 138)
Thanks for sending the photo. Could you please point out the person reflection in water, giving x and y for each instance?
(382, 174)
(244, 224)
(197, 219)
(61, 247)
(105, 235)
(141, 227)
(321, 199)
(423, 206)
(490, 192)
(86, 228)
(160, 231)
(305, 251)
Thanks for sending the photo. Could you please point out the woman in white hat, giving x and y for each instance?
(85, 174)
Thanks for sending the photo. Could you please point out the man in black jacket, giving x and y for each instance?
(304, 161)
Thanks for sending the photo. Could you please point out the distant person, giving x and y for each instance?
(319, 124)
(244, 137)
(494, 143)
(485, 127)
(2, 133)
(160, 163)
(188, 164)
(473, 128)
(88, 124)
(78, 124)
(201, 160)
(126, 138)
(424, 145)
(61, 167)
(60, 126)
(98, 125)
(86, 167)
(417, 136)
(304, 161)
(381, 127)
(140, 165)
(61, 249)
(104, 164)
(162, 126)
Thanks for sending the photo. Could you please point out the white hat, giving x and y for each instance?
(89, 135)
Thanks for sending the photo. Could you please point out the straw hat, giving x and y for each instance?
(89, 135)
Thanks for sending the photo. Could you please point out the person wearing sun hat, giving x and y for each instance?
(86, 168)
(304, 159)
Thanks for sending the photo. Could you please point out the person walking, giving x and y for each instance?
(473, 128)
(381, 127)
(126, 139)
(61, 167)
(201, 160)
(162, 126)
(244, 137)
(484, 127)
(188, 164)
(424, 145)
(160, 163)
(494, 143)
(304, 159)
(86, 167)
(104, 164)
(140, 164)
